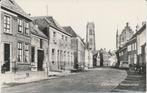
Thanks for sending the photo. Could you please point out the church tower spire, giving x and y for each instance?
(90, 36)
(117, 39)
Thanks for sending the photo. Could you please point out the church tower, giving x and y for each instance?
(117, 40)
(90, 36)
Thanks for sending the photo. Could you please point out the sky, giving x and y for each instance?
(108, 15)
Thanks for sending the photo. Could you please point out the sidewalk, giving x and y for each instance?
(11, 79)
(133, 83)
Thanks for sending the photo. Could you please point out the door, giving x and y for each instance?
(7, 56)
(40, 60)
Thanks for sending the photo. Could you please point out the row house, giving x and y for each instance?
(15, 39)
(121, 46)
(39, 49)
(36, 43)
(61, 55)
(133, 52)
(141, 45)
(78, 46)
(128, 53)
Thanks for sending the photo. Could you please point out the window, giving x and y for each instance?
(7, 24)
(132, 46)
(62, 37)
(135, 59)
(26, 28)
(20, 52)
(68, 58)
(65, 57)
(91, 41)
(32, 54)
(53, 51)
(129, 47)
(122, 53)
(135, 46)
(53, 56)
(54, 34)
(41, 43)
(66, 38)
(90, 32)
(20, 26)
(26, 53)
(119, 54)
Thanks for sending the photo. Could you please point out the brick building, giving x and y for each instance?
(78, 46)
(15, 40)
(133, 52)
(141, 46)
(39, 49)
(60, 52)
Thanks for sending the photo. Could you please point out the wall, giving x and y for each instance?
(35, 42)
(63, 56)
(13, 39)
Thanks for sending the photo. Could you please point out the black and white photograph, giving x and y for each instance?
(73, 46)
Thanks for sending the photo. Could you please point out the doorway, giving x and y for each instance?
(7, 56)
(40, 60)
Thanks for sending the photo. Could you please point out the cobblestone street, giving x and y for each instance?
(94, 80)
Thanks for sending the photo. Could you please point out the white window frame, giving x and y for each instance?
(20, 51)
(26, 53)
(7, 24)
(129, 48)
(26, 28)
(20, 25)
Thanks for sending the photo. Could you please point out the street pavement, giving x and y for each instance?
(94, 80)
(134, 82)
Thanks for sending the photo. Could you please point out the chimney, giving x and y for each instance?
(29, 14)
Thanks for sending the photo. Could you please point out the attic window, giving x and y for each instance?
(11, 1)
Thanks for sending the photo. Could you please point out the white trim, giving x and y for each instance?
(11, 23)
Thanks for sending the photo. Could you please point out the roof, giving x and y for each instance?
(139, 31)
(49, 21)
(142, 29)
(36, 31)
(12, 6)
(69, 30)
